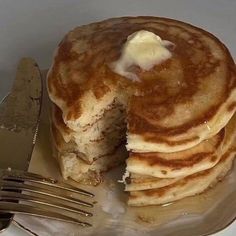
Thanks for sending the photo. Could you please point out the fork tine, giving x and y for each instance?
(15, 186)
(16, 196)
(45, 192)
(32, 177)
(10, 207)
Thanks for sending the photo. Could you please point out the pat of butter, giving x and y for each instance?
(144, 49)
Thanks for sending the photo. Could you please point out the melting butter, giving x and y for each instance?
(144, 49)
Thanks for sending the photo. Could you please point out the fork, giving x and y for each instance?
(32, 194)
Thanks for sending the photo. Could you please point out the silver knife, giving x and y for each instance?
(19, 119)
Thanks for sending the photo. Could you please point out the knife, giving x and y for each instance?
(19, 119)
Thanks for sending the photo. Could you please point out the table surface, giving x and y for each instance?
(34, 28)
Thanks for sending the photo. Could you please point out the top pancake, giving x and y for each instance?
(175, 106)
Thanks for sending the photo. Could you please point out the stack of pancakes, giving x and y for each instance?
(178, 115)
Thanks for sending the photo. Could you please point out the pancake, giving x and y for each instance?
(173, 165)
(98, 148)
(143, 182)
(73, 166)
(93, 142)
(188, 186)
(91, 174)
(174, 106)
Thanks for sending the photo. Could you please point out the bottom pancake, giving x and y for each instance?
(188, 186)
(91, 174)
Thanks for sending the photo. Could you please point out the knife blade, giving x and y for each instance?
(19, 119)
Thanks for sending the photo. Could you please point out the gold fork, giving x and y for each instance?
(32, 194)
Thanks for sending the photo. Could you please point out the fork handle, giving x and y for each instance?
(5, 220)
